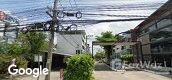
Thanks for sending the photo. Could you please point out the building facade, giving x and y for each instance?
(71, 42)
(155, 35)
(6, 23)
(128, 44)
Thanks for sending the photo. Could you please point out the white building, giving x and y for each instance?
(6, 23)
(71, 42)
(121, 48)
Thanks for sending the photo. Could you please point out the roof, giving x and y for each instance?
(164, 8)
(73, 32)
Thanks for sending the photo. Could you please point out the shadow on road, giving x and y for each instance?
(102, 67)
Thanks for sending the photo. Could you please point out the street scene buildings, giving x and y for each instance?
(86, 40)
(155, 35)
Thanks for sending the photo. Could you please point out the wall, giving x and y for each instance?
(69, 43)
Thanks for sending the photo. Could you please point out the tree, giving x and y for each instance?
(13, 48)
(99, 55)
(35, 42)
(10, 51)
(108, 37)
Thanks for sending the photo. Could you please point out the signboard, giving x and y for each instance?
(2, 15)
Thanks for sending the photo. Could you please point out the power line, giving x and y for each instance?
(31, 10)
(115, 15)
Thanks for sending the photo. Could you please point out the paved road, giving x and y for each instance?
(129, 75)
(102, 72)
(54, 76)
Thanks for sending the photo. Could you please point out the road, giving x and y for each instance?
(129, 75)
(102, 72)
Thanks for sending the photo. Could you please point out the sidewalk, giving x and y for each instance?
(103, 73)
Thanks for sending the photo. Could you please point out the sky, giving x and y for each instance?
(34, 11)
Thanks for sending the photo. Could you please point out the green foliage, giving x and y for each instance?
(9, 51)
(5, 61)
(13, 48)
(3, 47)
(79, 67)
(107, 37)
(99, 55)
(16, 49)
(35, 41)
(127, 56)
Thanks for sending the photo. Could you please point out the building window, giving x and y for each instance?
(78, 51)
(83, 47)
(163, 23)
(152, 28)
(122, 47)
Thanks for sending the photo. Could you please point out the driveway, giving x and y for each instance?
(103, 72)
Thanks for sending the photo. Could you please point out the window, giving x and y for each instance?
(78, 51)
(163, 23)
(122, 47)
(152, 28)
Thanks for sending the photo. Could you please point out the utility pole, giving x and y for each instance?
(51, 41)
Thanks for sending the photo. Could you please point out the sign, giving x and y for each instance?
(2, 15)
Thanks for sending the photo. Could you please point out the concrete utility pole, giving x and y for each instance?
(52, 29)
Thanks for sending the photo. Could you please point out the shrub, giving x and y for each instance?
(5, 61)
(127, 57)
(79, 67)
(99, 56)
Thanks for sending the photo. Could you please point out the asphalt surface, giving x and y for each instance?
(103, 72)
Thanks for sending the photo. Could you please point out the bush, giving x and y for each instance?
(5, 62)
(79, 67)
(99, 56)
(127, 57)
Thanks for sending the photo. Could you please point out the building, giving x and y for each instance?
(6, 23)
(155, 35)
(127, 44)
(68, 43)
(71, 42)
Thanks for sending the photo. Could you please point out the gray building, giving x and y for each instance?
(71, 42)
(155, 35)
